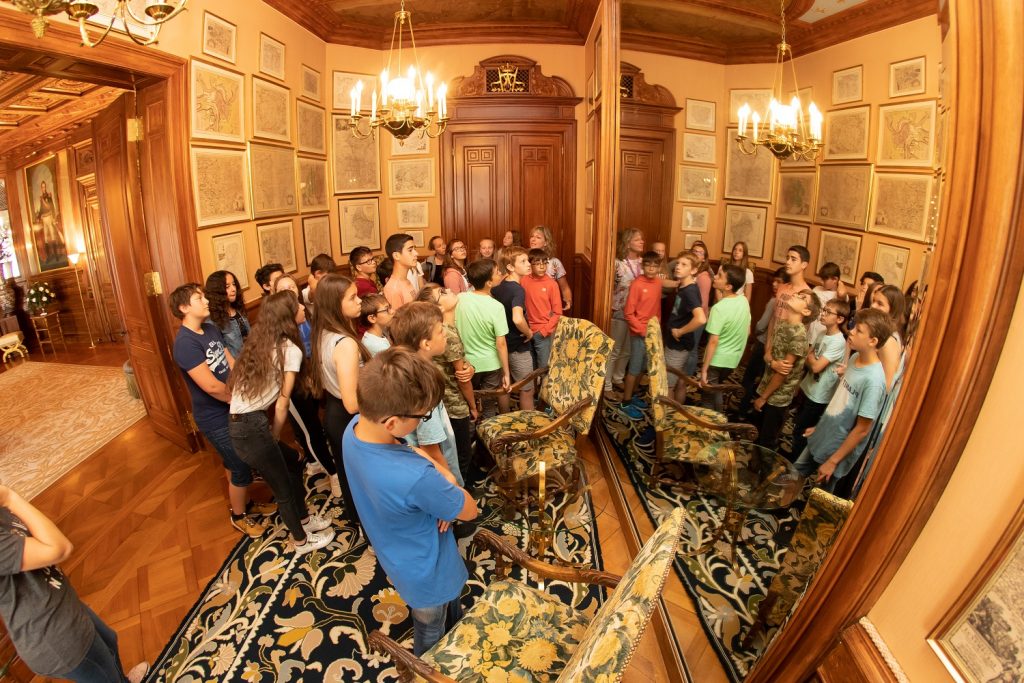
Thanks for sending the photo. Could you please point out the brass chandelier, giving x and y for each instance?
(408, 103)
(782, 128)
(123, 17)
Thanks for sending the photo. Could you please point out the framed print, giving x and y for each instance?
(411, 178)
(840, 248)
(313, 191)
(748, 176)
(311, 84)
(277, 244)
(806, 96)
(698, 148)
(220, 186)
(359, 223)
(311, 124)
(906, 134)
(788, 235)
(356, 163)
(273, 180)
(795, 200)
(316, 236)
(981, 638)
(343, 82)
(417, 238)
(48, 236)
(758, 100)
(846, 133)
(697, 184)
(696, 218)
(745, 224)
(229, 254)
(219, 37)
(907, 77)
(413, 214)
(689, 240)
(848, 85)
(700, 115)
(272, 57)
(414, 144)
(271, 111)
(218, 101)
(901, 205)
(843, 193)
(891, 263)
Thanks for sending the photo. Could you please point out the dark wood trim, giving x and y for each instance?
(980, 258)
(855, 659)
(582, 287)
(606, 193)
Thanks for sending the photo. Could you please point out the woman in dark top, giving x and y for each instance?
(227, 311)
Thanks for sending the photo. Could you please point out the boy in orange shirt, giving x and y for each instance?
(543, 305)
(642, 303)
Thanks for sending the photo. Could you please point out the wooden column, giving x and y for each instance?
(606, 200)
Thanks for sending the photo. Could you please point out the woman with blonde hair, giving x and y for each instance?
(627, 268)
(541, 238)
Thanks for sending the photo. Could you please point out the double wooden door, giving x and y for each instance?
(645, 195)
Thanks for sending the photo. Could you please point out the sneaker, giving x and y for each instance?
(315, 541)
(631, 410)
(316, 523)
(138, 672)
(639, 403)
(248, 526)
(313, 467)
(261, 509)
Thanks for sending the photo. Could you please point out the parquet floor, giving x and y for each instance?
(150, 528)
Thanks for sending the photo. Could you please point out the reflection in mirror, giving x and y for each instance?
(758, 358)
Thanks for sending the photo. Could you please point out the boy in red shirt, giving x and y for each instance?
(543, 305)
(642, 303)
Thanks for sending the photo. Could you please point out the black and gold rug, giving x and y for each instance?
(271, 617)
(726, 595)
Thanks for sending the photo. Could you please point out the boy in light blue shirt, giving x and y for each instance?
(827, 352)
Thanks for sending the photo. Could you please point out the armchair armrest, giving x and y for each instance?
(405, 659)
(503, 551)
(494, 393)
(508, 439)
(739, 430)
(724, 387)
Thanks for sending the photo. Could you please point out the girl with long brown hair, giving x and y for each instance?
(227, 311)
(265, 375)
(455, 267)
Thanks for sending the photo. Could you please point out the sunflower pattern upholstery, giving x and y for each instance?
(556, 449)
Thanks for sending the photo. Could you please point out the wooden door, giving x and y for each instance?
(481, 188)
(127, 246)
(641, 204)
(537, 185)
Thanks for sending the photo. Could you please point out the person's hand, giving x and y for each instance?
(841, 290)
(443, 526)
(466, 373)
(566, 306)
(677, 333)
(506, 382)
(474, 414)
(759, 403)
(528, 337)
(809, 431)
(825, 472)
(841, 370)
(783, 367)
(703, 377)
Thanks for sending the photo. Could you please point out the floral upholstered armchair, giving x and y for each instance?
(521, 440)
(822, 518)
(518, 633)
(681, 432)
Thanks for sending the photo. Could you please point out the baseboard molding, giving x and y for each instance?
(855, 659)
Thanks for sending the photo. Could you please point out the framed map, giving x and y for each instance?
(311, 83)
(218, 101)
(413, 214)
(271, 111)
(414, 144)
(748, 176)
(846, 133)
(359, 223)
(842, 249)
(412, 178)
(906, 134)
(277, 244)
(343, 82)
(795, 200)
(220, 186)
(700, 114)
(758, 100)
(219, 37)
(848, 85)
(907, 77)
(900, 204)
(311, 122)
(891, 263)
(843, 193)
(273, 180)
(356, 162)
(272, 57)
(313, 191)
(316, 236)
(690, 239)
(745, 224)
(697, 184)
(696, 218)
(786, 236)
(698, 148)
(229, 254)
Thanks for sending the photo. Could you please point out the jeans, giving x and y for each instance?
(691, 365)
(810, 413)
(251, 434)
(463, 429)
(772, 419)
(430, 623)
(336, 419)
(619, 356)
(542, 349)
(807, 466)
(752, 377)
(304, 414)
(220, 439)
(101, 663)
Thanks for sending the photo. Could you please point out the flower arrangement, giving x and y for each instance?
(39, 297)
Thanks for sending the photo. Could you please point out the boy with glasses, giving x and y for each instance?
(364, 268)
(826, 355)
(543, 305)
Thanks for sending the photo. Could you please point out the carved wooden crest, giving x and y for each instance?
(633, 88)
(509, 76)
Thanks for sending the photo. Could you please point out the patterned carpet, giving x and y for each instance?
(269, 617)
(727, 595)
(55, 416)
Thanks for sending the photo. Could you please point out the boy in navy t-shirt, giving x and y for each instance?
(405, 503)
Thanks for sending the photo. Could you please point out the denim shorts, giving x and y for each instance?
(637, 355)
(220, 439)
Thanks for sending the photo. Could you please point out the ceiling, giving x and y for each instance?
(722, 31)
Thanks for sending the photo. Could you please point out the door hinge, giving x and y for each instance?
(190, 423)
(151, 280)
(135, 129)
(662, 158)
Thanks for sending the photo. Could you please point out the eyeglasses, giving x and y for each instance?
(383, 310)
(828, 312)
(539, 262)
(422, 418)
(460, 247)
(372, 259)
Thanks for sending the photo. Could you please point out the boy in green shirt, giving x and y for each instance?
(480, 319)
(727, 330)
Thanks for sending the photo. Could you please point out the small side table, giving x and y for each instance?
(48, 331)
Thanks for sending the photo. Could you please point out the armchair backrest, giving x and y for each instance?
(576, 370)
(656, 372)
(609, 642)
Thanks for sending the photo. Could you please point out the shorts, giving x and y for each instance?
(520, 364)
(220, 439)
(637, 355)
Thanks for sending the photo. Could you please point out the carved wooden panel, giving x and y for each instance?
(481, 182)
(479, 84)
(641, 201)
(536, 182)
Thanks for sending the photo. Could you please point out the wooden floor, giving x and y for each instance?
(150, 527)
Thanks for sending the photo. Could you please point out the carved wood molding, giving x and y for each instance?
(644, 92)
(855, 659)
(540, 85)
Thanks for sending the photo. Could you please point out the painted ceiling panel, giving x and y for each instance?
(823, 9)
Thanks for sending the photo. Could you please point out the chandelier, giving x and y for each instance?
(782, 128)
(156, 11)
(408, 103)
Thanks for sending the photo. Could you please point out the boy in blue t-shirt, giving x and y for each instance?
(405, 502)
(835, 445)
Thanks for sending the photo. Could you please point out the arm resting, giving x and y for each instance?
(405, 659)
(493, 393)
(503, 550)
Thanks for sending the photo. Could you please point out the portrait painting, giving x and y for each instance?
(843, 193)
(273, 180)
(316, 236)
(748, 176)
(313, 193)
(218, 100)
(277, 244)
(229, 254)
(311, 123)
(697, 184)
(272, 57)
(44, 212)
(846, 133)
(271, 111)
(356, 163)
(700, 114)
(359, 223)
(901, 204)
(745, 224)
(795, 199)
(220, 185)
(843, 250)
(412, 178)
(219, 37)
(907, 77)
(906, 134)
